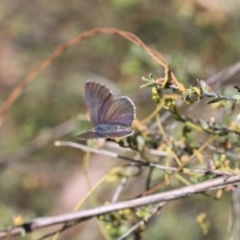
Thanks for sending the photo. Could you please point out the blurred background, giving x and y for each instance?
(199, 38)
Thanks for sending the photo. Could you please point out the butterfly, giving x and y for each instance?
(111, 117)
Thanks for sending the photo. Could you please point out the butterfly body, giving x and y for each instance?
(112, 117)
(108, 128)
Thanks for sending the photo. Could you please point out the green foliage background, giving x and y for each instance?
(198, 38)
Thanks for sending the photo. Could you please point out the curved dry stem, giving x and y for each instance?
(59, 51)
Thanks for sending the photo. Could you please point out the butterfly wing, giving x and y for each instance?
(91, 135)
(120, 134)
(113, 131)
(98, 97)
(111, 117)
(120, 112)
(95, 135)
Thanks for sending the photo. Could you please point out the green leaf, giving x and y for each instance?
(237, 97)
(214, 100)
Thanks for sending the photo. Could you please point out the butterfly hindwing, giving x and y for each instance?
(120, 134)
(120, 112)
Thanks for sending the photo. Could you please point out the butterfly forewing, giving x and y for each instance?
(120, 134)
(98, 97)
(120, 112)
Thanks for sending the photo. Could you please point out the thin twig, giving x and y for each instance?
(121, 185)
(149, 178)
(139, 161)
(142, 222)
(208, 94)
(183, 192)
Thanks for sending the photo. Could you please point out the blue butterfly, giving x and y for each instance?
(111, 117)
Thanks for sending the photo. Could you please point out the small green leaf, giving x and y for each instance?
(144, 211)
(150, 81)
(148, 85)
(237, 97)
(214, 100)
(145, 79)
